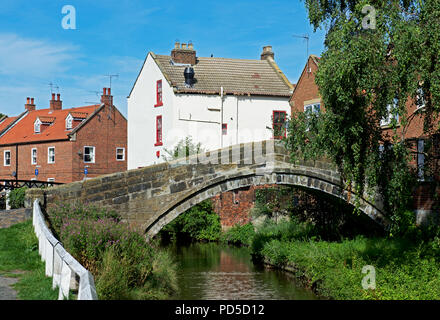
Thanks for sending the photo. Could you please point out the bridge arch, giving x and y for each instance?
(310, 180)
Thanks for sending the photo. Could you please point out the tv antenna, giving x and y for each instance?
(307, 38)
(52, 86)
(110, 78)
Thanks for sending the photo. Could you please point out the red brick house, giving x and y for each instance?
(306, 97)
(62, 144)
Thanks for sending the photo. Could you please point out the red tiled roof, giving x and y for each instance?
(23, 130)
(6, 122)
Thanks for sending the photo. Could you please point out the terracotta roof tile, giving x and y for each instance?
(236, 76)
(23, 130)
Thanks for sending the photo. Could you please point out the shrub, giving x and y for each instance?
(240, 235)
(198, 223)
(125, 266)
(16, 198)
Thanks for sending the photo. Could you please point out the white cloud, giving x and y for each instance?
(33, 58)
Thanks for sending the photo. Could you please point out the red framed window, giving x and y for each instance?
(158, 93)
(158, 131)
(278, 124)
(224, 129)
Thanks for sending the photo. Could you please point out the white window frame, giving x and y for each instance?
(94, 154)
(389, 118)
(50, 179)
(32, 156)
(313, 107)
(123, 154)
(4, 158)
(37, 124)
(48, 155)
(69, 122)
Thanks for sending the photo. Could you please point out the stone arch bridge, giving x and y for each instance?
(153, 196)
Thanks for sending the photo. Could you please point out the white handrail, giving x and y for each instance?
(60, 265)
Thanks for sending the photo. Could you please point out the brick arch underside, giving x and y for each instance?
(208, 191)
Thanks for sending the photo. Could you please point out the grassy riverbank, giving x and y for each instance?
(404, 269)
(19, 258)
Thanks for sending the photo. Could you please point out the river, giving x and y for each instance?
(208, 271)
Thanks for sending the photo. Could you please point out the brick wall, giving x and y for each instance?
(101, 132)
(234, 207)
(305, 89)
(105, 135)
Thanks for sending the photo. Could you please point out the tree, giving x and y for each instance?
(377, 54)
(184, 148)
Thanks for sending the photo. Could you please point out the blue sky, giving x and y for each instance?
(113, 37)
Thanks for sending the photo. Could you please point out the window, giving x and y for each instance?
(224, 129)
(34, 156)
(311, 110)
(89, 154)
(51, 155)
(37, 126)
(391, 113)
(7, 158)
(315, 108)
(158, 131)
(120, 154)
(159, 93)
(420, 98)
(278, 124)
(69, 121)
(420, 159)
(50, 179)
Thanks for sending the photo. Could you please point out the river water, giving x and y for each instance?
(208, 271)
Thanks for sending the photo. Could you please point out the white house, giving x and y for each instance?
(217, 102)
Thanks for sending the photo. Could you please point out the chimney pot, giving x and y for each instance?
(53, 96)
(109, 91)
(32, 100)
(58, 97)
(267, 54)
(105, 91)
(185, 54)
(177, 45)
(27, 99)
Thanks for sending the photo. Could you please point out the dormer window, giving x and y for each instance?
(37, 126)
(69, 122)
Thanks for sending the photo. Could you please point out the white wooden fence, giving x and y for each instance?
(68, 274)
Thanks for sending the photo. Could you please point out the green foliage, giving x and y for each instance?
(334, 269)
(16, 198)
(239, 234)
(198, 223)
(19, 251)
(62, 213)
(125, 266)
(184, 148)
(361, 74)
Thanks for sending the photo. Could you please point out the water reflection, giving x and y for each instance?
(211, 271)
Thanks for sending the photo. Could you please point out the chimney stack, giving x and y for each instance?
(184, 54)
(29, 106)
(267, 54)
(56, 104)
(107, 97)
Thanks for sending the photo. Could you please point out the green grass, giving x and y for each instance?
(334, 269)
(19, 253)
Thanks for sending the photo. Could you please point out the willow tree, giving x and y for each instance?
(377, 54)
